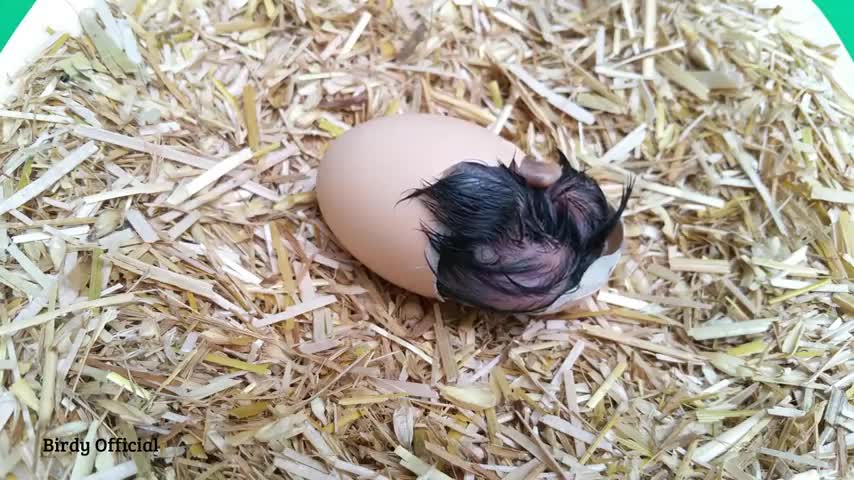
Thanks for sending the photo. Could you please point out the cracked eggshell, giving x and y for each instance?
(596, 276)
(367, 171)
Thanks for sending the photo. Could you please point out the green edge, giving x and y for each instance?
(838, 12)
(11, 14)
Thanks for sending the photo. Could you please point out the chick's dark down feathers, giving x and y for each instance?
(504, 245)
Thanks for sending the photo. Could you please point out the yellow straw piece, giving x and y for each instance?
(220, 359)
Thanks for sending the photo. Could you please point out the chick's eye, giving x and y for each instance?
(485, 254)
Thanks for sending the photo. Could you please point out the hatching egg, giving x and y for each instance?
(366, 172)
(363, 187)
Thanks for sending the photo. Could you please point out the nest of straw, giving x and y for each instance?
(167, 277)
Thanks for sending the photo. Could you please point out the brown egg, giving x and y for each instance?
(368, 170)
(367, 173)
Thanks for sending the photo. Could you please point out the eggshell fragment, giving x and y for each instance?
(597, 274)
(368, 170)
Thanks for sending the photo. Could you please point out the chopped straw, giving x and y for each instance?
(167, 275)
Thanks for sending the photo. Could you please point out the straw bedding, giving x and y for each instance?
(166, 274)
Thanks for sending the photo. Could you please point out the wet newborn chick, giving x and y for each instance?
(516, 238)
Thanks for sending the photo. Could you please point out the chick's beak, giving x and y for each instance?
(539, 174)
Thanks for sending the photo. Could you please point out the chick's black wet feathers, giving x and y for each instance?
(506, 246)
